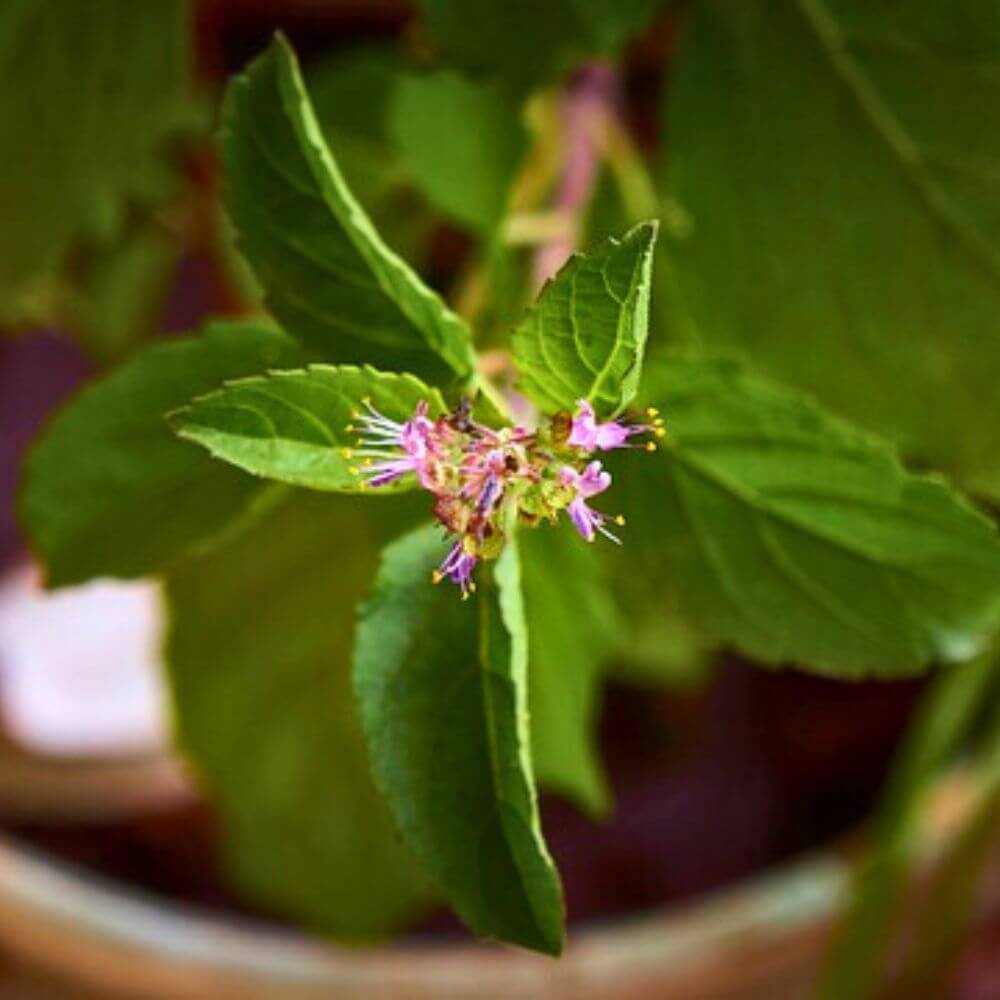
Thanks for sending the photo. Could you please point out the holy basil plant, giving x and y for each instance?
(786, 534)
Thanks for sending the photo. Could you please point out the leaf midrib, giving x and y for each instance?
(902, 146)
(499, 798)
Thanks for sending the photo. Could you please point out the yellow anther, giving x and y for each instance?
(650, 446)
(366, 462)
(465, 595)
(354, 470)
(652, 412)
(472, 587)
(355, 415)
(367, 400)
(620, 521)
(436, 576)
(659, 432)
(363, 485)
(347, 452)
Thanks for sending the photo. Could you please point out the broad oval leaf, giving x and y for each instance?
(109, 491)
(799, 539)
(258, 659)
(327, 275)
(572, 629)
(837, 160)
(294, 426)
(585, 336)
(443, 695)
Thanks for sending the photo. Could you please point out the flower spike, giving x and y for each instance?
(478, 474)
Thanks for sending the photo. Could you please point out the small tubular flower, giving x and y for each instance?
(588, 435)
(593, 480)
(458, 566)
(389, 449)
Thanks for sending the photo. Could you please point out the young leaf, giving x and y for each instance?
(799, 539)
(443, 695)
(584, 338)
(328, 276)
(259, 667)
(571, 631)
(294, 426)
(850, 246)
(466, 172)
(109, 491)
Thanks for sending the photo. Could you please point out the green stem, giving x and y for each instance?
(951, 894)
(855, 963)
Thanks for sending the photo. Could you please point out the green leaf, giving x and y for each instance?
(122, 292)
(572, 626)
(293, 426)
(259, 667)
(465, 172)
(607, 24)
(99, 89)
(525, 44)
(443, 691)
(351, 91)
(799, 539)
(837, 161)
(584, 338)
(109, 491)
(328, 276)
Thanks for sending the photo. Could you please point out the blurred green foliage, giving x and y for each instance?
(826, 176)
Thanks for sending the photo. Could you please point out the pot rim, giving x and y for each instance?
(759, 937)
(130, 943)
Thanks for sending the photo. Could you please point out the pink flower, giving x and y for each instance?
(458, 566)
(586, 433)
(593, 480)
(480, 476)
(383, 440)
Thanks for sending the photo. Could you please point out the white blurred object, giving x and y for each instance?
(80, 667)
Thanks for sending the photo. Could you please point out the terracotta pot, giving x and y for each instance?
(758, 940)
(71, 934)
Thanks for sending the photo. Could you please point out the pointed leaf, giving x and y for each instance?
(801, 540)
(259, 667)
(571, 632)
(109, 491)
(443, 694)
(293, 426)
(328, 276)
(585, 337)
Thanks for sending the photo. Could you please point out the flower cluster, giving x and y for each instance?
(477, 474)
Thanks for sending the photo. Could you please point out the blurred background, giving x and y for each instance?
(112, 236)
